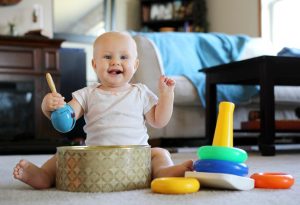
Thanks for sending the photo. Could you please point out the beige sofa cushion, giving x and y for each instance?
(185, 92)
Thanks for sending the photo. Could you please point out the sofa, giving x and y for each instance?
(188, 119)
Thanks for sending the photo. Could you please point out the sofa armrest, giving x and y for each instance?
(258, 47)
(150, 67)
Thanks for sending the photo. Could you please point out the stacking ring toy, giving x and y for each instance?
(222, 153)
(272, 180)
(175, 185)
(221, 166)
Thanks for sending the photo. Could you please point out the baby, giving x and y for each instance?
(114, 110)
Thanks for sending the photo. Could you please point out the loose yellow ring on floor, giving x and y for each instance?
(222, 153)
(175, 185)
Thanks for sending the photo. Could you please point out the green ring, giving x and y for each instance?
(222, 153)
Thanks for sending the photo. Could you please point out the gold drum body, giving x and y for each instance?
(103, 168)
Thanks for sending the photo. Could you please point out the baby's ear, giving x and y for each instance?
(136, 65)
(94, 63)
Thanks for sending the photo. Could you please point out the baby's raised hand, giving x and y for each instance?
(166, 84)
(53, 101)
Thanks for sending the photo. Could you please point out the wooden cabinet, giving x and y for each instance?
(24, 61)
(173, 15)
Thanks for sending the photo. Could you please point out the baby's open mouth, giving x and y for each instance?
(115, 71)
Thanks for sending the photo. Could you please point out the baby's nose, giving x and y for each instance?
(115, 61)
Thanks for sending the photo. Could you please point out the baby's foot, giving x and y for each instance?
(32, 175)
(175, 171)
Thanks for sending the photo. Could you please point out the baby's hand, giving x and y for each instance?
(166, 84)
(52, 101)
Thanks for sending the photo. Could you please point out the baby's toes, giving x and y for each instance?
(18, 172)
(23, 163)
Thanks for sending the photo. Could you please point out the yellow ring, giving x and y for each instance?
(175, 185)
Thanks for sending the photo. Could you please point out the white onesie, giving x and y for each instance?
(116, 118)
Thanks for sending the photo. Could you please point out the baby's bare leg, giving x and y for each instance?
(37, 177)
(163, 166)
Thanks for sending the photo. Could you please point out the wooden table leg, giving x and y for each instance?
(210, 110)
(267, 108)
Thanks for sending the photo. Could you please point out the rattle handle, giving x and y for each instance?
(50, 83)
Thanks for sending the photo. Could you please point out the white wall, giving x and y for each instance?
(21, 15)
(127, 15)
(234, 16)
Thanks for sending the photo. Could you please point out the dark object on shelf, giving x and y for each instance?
(182, 15)
(199, 16)
(9, 2)
(254, 115)
(35, 33)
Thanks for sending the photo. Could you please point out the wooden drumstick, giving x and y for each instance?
(50, 83)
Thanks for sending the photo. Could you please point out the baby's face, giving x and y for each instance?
(115, 59)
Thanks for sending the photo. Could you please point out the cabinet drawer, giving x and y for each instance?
(18, 58)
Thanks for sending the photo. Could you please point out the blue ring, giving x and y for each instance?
(221, 166)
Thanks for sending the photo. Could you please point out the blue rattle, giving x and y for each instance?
(63, 119)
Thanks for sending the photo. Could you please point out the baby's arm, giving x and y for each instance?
(76, 107)
(160, 114)
(53, 101)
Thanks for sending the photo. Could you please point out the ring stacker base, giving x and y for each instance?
(222, 181)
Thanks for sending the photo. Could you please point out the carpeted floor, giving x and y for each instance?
(13, 192)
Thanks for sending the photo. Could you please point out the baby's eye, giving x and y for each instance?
(107, 57)
(124, 57)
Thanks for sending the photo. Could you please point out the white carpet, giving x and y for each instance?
(13, 192)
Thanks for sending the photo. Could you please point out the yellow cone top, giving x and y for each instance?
(224, 128)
